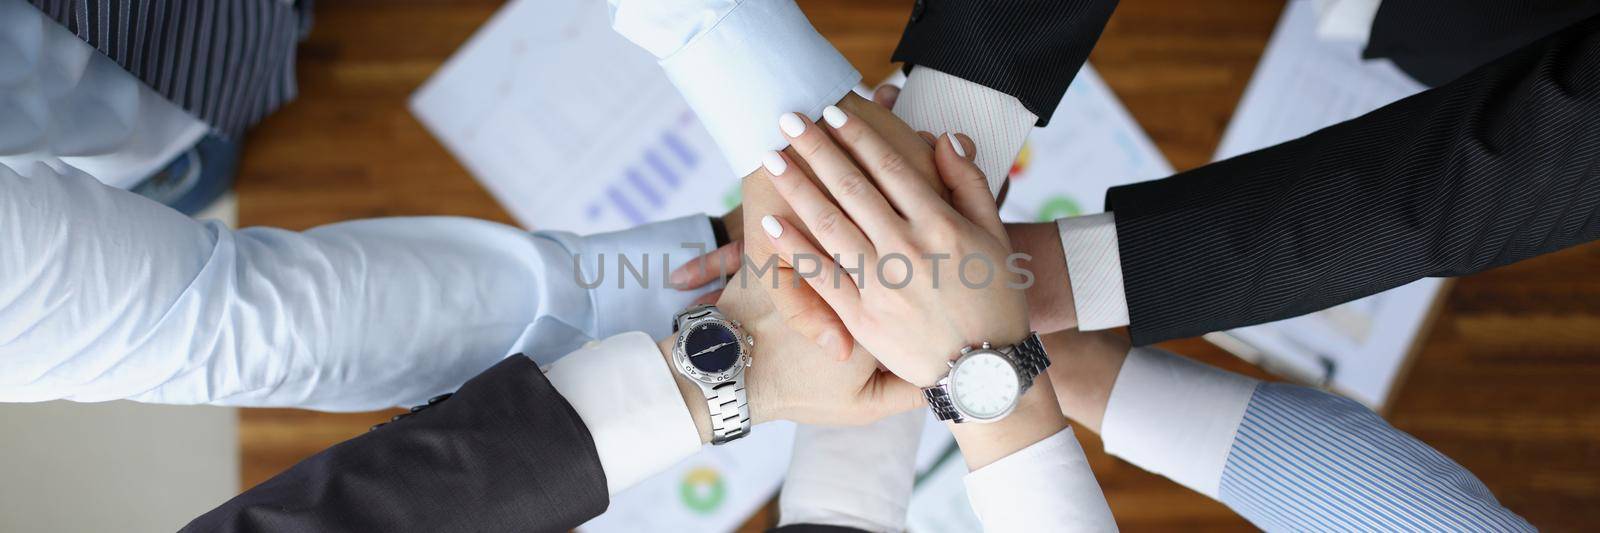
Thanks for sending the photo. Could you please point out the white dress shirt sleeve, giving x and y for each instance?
(1047, 486)
(626, 395)
(997, 122)
(1175, 417)
(854, 477)
(1094, 267)
(107, 295)
(740, 64)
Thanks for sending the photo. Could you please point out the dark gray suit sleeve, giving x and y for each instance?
(814, 528)
(505, 453)
(1499, 165)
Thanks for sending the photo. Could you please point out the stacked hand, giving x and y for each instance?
(806, 313)
(926, 277)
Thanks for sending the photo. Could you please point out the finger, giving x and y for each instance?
(805, 312)
(733, 223)
(889, 395)
(709, 298)
(890, 168)
(850, 187)
(832, 228)
(718, 264)
(818, 270)
(969, 190)
(886, 95)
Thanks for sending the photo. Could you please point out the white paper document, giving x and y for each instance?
(571, 126)
(1092, 144)
(1303, 84)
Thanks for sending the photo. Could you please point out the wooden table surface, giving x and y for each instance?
(1505, 382)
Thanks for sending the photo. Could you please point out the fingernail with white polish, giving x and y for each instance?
(791, 124)
(956, 143)
(774, 229)
(835, 116)
(679, 278)
(774, 163)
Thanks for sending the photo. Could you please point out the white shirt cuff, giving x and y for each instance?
(1047, 486)
(855, 477)
(997, 122)
(1175, 417)
(625, 394)
(762, 59)
(623, 303)
(1094, 267)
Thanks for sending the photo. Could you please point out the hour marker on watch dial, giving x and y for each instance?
(984, 385)
(712, 347)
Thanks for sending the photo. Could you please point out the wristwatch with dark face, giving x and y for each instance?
(986, 383)
(713, 352)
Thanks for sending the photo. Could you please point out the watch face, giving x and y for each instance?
(984, 385)
(712, 347)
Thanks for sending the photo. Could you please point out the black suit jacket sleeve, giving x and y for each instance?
(505, 453)
(1029, 49)
(814, 528)
(1499, 165)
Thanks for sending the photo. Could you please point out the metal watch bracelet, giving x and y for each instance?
(727, 403)
(1030, 359)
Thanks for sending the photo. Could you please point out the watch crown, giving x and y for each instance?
(952, 363)
(965, 349)
(751, 340)
(986, 346)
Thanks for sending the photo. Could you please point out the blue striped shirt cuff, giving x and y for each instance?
(1306, 460)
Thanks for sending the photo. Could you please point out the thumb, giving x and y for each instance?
(804, 311)
(969, 189)
(712, 266)
(889, 395)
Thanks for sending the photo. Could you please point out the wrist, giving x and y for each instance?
(1050, 303)
(1037, 417)
(1084, 368)
(693, 398)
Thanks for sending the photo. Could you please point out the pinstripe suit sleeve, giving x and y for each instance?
(1499, 165)
(229, 63)
(505, 453)
(1029, 49)
(1306, 460)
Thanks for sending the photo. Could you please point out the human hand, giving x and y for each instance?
(1083, 368)
(716, 264)
(892, 237)
(806, 312)
(789, 379)
(805, 309)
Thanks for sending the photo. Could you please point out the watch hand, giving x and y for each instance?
(703, 352)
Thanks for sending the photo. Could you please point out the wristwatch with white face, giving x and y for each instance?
(713, 352)
(985, 384)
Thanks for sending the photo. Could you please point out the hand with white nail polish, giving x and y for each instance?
(807, 313)
(923, 278)
(790, 379)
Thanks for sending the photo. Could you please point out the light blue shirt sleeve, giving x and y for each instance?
(106, 295)
(739, 64)
(1306, 460)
